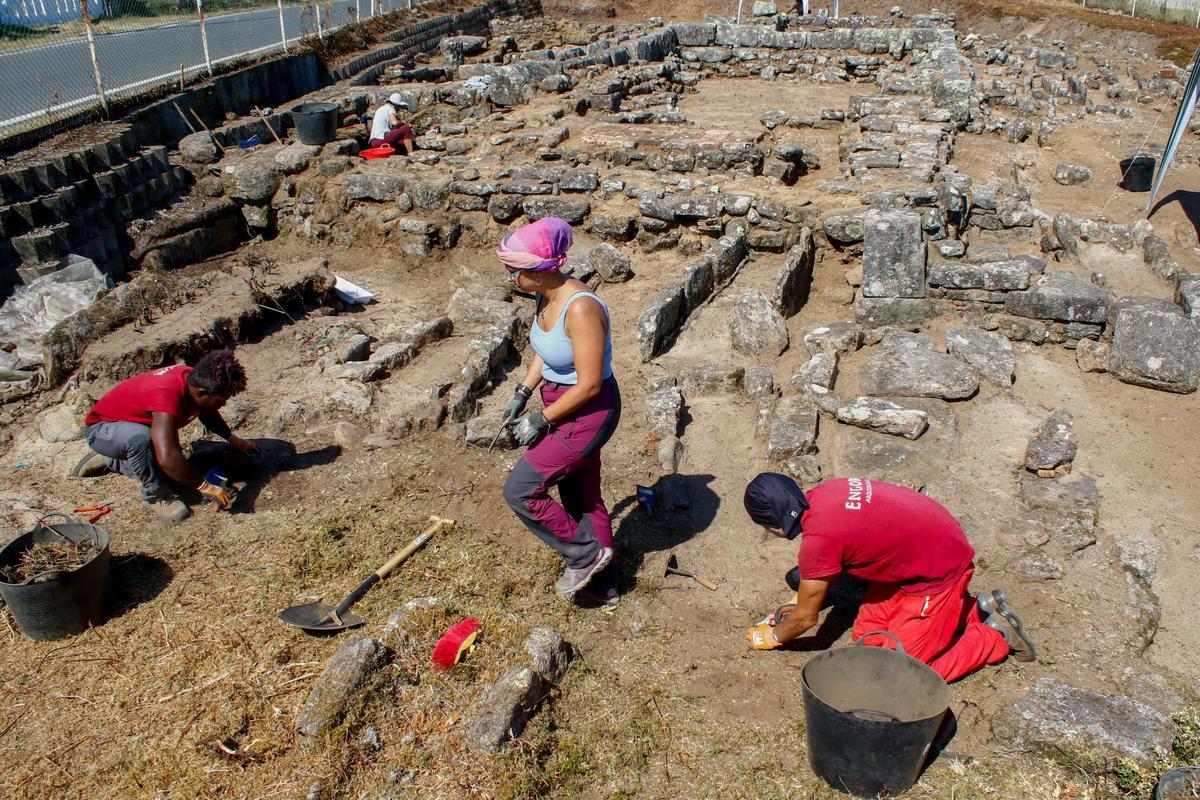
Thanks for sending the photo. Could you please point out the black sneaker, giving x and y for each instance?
(1001, 617)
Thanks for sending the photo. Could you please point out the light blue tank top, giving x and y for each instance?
(554, 346)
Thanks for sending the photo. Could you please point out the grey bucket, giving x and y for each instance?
(70, 600)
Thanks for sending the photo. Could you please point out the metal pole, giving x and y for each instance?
(204, 36)
(739, 16)
(1133, 11)
(282, 30)
(87, 26)
(320, 31)
(835, 9)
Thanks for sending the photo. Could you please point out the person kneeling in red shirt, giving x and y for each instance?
(134, 429)
(915, 558)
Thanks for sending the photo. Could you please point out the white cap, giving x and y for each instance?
(397, 101)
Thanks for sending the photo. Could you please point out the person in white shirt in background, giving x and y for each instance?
(386, 127)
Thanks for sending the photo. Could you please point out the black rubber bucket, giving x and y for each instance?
(871, 715)
(1138, 172)
(315, 123)
(58, 604)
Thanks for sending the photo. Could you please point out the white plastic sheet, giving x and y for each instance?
(27, 316)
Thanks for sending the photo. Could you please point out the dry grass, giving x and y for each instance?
(46, 558)
(190, 690)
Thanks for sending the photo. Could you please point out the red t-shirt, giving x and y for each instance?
(881, 532)
(136, 399)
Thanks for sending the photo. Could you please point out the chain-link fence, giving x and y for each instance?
(62, 57)
(1182, 12)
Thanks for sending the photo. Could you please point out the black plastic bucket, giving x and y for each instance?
(60, 604)
(871, 715)
(1138, 172)
(315, 123)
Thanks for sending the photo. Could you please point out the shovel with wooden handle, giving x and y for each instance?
(315, 618)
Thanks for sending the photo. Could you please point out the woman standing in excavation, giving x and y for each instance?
(572, 365)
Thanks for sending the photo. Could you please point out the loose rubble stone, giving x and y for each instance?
(1052, 445)
(198, 148)
(664, 407)
(657, 324)
(253, 180)
(1037, 566)
(393, 355)
(893, 254)
(506, 708)
(756, 327)
(364, 371)
(296, 157)
(909, 366)
(759, 384)
(1072, 174)
(794, 280)
(838, 337)
(374, 184)
(1092, 356)
(610, 263)
(397, 631)
(843, 228)
(884, 416)
(355, 398)
(710, 379)
(1055, 716)
(345, 677)
(549, 654)
(989, 354)
(1066, 509)
(819, 370)
(1154, 344)
(804, 469)
(482, 431)
(793, 430)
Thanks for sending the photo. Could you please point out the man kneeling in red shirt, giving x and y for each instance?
(915, 558)
(134, 429)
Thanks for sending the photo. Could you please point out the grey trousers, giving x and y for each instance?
(130, 452)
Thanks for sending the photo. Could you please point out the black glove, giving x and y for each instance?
(516, 406)
(530, 428)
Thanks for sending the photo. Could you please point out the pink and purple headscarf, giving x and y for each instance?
(538, 246)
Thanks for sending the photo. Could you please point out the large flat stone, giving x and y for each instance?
(909, 366)
(1155, 344)
(893, 254)
(1060, 296)
(1055, 717)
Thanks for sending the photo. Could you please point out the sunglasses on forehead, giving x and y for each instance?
(512, 275)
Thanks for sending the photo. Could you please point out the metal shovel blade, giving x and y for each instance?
(318, 618)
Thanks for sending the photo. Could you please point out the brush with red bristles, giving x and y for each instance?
(454, 643)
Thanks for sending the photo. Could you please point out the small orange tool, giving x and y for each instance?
(101, 509)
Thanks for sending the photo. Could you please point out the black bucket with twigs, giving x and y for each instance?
(53, 578)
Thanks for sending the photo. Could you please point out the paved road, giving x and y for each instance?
(59, 76)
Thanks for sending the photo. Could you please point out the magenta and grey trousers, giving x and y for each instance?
(568, 457)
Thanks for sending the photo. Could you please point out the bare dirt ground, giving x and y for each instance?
(191, 688)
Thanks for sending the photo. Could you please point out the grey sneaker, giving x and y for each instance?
(93, 465)
(169, 508)
(573, 580)
(1001, 617)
